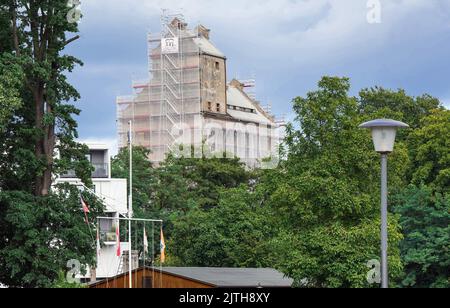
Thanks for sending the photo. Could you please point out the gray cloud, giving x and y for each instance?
(286, 44)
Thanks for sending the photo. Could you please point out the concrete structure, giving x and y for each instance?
(192, 278)
(113, 193)
(187, 101)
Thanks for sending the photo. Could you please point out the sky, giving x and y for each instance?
(286, 45)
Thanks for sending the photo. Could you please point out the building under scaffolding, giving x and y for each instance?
(187, 101)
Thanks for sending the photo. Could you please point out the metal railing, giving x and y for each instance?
(101, 171)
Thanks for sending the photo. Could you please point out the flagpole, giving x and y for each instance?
(153, 252)
(145, 235)
(130, 204)
(161, 259)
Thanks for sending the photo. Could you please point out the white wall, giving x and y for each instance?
(108, 263)
(114, 194)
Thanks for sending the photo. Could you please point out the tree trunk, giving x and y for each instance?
(45, 144)
(39, 149)
(49, 146)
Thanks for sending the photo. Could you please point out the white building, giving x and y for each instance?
(113, 193)
(188, 101)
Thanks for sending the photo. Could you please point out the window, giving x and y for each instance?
(218, 107)
(147, 283)
(217, 66)
(209, 106)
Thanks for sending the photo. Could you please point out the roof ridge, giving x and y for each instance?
(252, 101)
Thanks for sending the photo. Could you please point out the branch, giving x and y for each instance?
(71, 40)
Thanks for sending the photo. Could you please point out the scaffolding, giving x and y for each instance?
(171, 97)
(250, 87)
(186, 100)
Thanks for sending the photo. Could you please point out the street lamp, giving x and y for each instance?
(384, 132)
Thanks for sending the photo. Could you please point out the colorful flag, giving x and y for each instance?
(84, 205)
(145, 241)
(119, 253)
(85, 209)
(163, 247)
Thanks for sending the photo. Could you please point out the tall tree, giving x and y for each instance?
(378, 102)
(38, 33)
(385, 103)
(325, 196)
(40, 229)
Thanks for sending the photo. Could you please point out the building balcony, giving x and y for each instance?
(101, 171)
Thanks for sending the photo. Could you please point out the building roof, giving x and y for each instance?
(233, 277)
(238, 98)
(217, 277)
(208, 48)
(96, 146)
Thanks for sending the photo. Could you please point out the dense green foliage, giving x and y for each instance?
(143, 175)
(324, 195)
(40, 228)
(33, 64)
(430, 149)
(316, 216)
(10, 101)
(232, 234)
(40, 234)
(177, 186)
(62, 283)
(424, 210)
(384, 103)
(425, 220)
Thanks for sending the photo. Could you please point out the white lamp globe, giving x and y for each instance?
(384, 132)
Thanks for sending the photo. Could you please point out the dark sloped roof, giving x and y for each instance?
(233, 277)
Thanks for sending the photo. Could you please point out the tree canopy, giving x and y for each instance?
(316, 216)
(425, 221)
(41, 227)
(430, 151)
